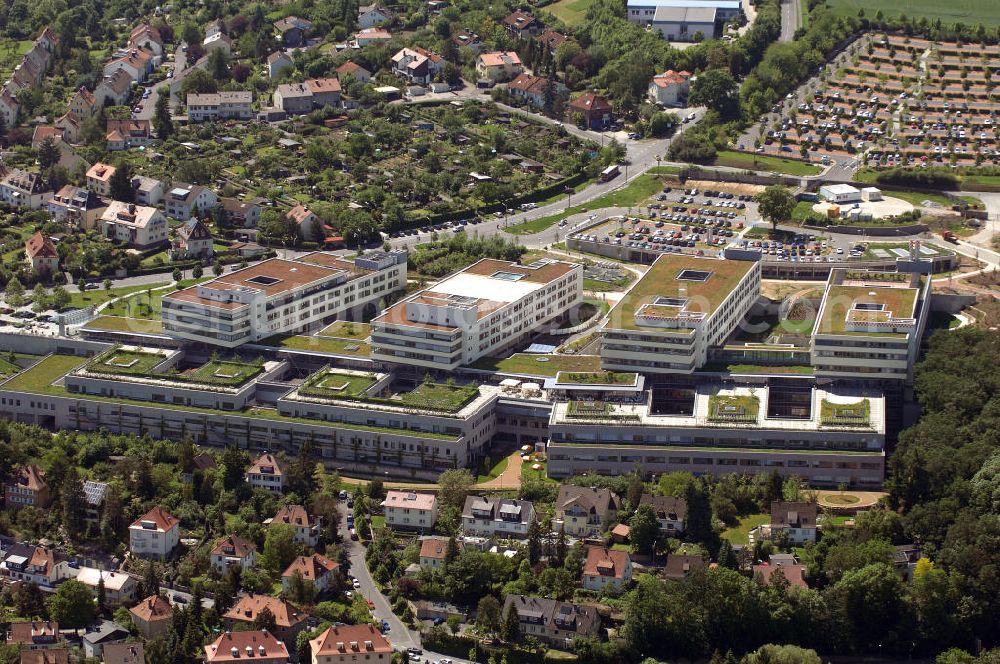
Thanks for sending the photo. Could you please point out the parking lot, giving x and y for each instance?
(677, 220)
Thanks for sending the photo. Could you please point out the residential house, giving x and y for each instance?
(114, 90)
(498, 65)
(218, 42)
(410, 510)
(467, 39)
(679, 566)
(794, 575)
(192, 239)
(69, 124)
(798, 519)
(371, 36)
(103, 633)
(99, 178)
(34, 635)
(23, 189)
(905, 558)
(417, 64)
(552, 40)
(497, 517)
(521, 25)
(152, 616)
(225, 105)
(35, 564)
(371, 15)
(595, 109)
(125, 134)
(307, 527)
(47, 39)
(138, 226)
(83, 104)
(325, 91)
(184, 201)
(216, 27)
(307, 221)
(277, 62)
(293, 30)
(148, 191)
(27, 486)
(266, 473)
(43, 133)
(293, 98)
(351, 68)
(124, 653)
(318, 570)
(233, 550)
(584, 511)
(9, 108)
(155, 534)
(44, 259)
(553, 622)
(259, 646)
(94, 495)
(605, 568)
(670, 512)
(532, 89)
(46, 656)
(433, 551)
(670, 88)
(136, 63)
(289, 620)
(146, 37)
(240, 213)
(119, 587)
(343, 644)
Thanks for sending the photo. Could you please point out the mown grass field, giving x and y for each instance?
(763, 162)
(570, 12)
(969, 12)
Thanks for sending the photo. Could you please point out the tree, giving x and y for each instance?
(716, 89)
(279, 548)
(73, 502)
(60, 298)
(39, 299)
(776, 203)
(217, 268)
(196, 272)
(727, 556)
(163, 125)
(784, 654)
(644, 530)
(454, 485)
(150, 580)
(48, 154)
(510, 629)
(177, 275)
(534, 542)
(488, 615)
(454, 623)
(72, 605)
(218, 65)
(698, 523)
(663, 124)
(871, 602)
(29, 601)
(107, 285)
(102, 593)
(265, 619)
(15, 292)
(120, 183)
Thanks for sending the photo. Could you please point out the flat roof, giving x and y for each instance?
(685, 14)
(706, 284)
(716, 4)
(866, 303)
(273, 276)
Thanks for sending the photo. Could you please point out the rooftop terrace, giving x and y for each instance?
(678, 285)
(868, 309)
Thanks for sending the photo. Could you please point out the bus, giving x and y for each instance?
(610, 173)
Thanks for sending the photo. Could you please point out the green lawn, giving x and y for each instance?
(346, 330)
(540, 365)
(845, 414)
(92, 298)
(969, 12)
(570, 12)
(120, 324)
(336, 384)
(740, 534)
(146, 303)
(630, 195)
(529, 474)
(597, 378)
(761, 369)
(319, 344)
(8, 369)
(486, 474)
(439, 396)
(733, 408)
(762, 162)
(118, 361)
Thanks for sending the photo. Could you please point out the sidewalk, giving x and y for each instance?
(509, 479)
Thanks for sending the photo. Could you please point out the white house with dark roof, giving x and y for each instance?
(184, 201)
(266, 473)
(497, 517)
(233, 550)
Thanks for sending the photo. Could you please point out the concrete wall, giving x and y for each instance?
(36, 345)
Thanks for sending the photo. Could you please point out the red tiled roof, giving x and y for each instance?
(311, 567)
(346, 639)
(248, 607)
(152, 609)
(261, 644)
(163, 520)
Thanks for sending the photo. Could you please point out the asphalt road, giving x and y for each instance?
(790, 19)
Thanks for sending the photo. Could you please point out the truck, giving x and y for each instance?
(950, 237)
